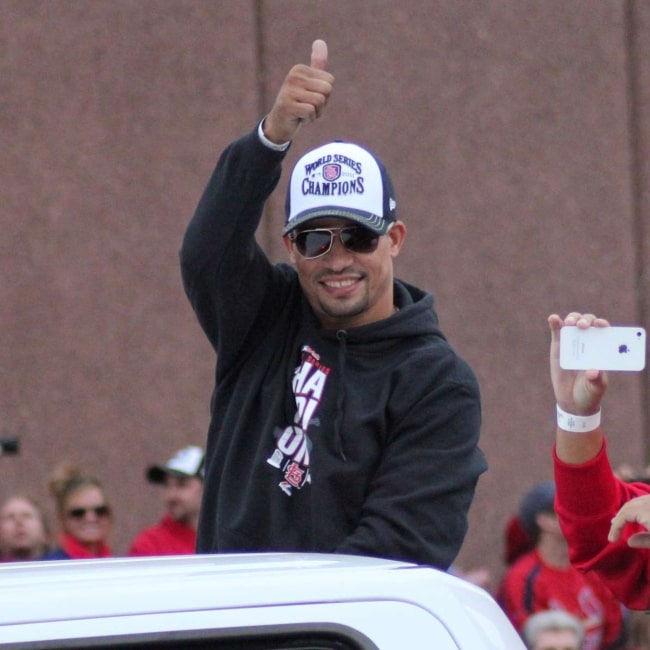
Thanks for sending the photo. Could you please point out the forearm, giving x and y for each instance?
(588, 496)
(431, 538)
(423, 488)
(219, 255)
(577, 448)
(230, 207)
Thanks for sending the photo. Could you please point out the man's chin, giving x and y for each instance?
(343, 309)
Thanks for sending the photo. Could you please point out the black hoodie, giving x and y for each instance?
(362, 441)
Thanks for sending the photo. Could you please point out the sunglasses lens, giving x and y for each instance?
(80, 513)
(359, 239)
(313, 243)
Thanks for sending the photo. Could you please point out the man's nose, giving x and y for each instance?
(338, 254)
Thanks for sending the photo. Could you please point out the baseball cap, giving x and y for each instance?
(540, 498)
(340, 179)
(185, 462)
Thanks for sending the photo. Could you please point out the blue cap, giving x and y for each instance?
(540, 498)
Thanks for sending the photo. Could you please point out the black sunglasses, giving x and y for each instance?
(318, 241)
(80, 513)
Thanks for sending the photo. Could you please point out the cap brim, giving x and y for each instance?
(373, 222)
(156, 474)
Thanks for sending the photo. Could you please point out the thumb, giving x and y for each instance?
(319, 55)
(639, 540)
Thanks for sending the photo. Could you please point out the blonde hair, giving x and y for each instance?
(68, 479)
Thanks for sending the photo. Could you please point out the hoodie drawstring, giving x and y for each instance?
(342, 336)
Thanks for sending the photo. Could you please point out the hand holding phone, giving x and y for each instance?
(602, 348)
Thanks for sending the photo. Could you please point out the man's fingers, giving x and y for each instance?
(555, 325)
(639, 540)
(637, 511)
(319, 55)
(616, 528)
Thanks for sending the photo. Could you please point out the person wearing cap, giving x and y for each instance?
(341, 419)
(182, 480)
(543, 578)
(605, 519)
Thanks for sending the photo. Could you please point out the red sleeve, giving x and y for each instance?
(587, 497)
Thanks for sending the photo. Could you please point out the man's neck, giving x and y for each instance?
(554, 551)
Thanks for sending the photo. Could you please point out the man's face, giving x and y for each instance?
(22, 533)
(182, 496)
(344, 288)
(549, 524)
(556, 640)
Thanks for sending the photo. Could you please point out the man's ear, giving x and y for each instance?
(397, 235)
(290, 249)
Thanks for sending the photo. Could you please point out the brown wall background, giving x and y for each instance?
(517, 133)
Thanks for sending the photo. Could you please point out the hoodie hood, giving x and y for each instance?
(415, 319)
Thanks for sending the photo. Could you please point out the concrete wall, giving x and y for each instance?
(517, 133)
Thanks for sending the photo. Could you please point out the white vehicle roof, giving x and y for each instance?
(147, 602)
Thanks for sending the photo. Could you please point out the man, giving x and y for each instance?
(544, 579)
(182, 481)
(553, 629)
(342, 420)
(604, 519)
(23, 530)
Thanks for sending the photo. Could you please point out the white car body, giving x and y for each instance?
(256, 601)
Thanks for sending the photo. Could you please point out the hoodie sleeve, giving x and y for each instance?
(420, 495)
(225, 273)
(588, 496)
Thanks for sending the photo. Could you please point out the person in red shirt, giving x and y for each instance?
(605, 519)
(182, 481)
(543, 578)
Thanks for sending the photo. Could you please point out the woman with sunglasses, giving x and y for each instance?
(84, 515)
(342, 419)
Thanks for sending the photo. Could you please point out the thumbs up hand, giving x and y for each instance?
(302, 96)
(319, 55)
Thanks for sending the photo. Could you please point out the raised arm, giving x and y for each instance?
(578, 394)
(604, 524)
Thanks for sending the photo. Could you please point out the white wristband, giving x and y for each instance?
(577, 423)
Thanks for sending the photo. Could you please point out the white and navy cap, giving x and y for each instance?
(185, 462)
(340, 179)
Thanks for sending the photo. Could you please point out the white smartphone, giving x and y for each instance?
(602, 348)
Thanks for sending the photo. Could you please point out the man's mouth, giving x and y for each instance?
(340, 284)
